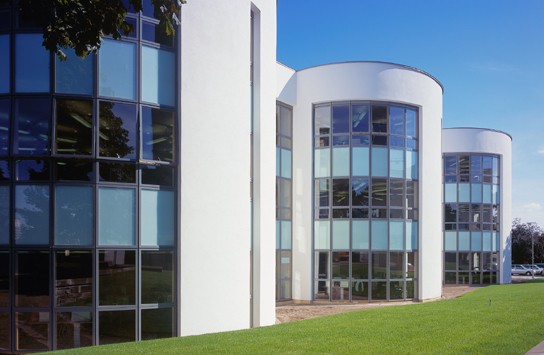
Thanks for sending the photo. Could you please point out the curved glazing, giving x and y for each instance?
(365, 201)
(87, 188)
(471, 218)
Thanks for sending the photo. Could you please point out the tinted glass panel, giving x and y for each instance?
(5, 69)
(157, 277)
(4, 329)
(32, 279)
(74, 329)
(157, 134)
(157, 323)
(359, 118)
(4, 125)
(118, 132)
(396, 120)
(157, 217)
(116, 327)
(117, 78)
(157, 175)
(32, 330)
(340, 119)
(32, 170)
(158, 79)
(32, 64)
(117, 172)
(117, 277)
(31, 127)
(116, 219)
(360, 191)
(31, 214)
(75, 170)
(379, 265)
(4, 214)
(74, 278)
(74, 215)
(4, 284)
(153, 33)
(411, 123)
(379, 118)
(74, 75)
(322, 120)
(74, 121)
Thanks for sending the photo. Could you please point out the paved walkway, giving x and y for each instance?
(539, 349)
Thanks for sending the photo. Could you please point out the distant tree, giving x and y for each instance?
(81, 24)
(522, 233)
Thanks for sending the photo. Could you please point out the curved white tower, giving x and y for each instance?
(368, 136)
(477, 205)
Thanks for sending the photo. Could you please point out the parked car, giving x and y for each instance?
(520, 270)
(536, 269)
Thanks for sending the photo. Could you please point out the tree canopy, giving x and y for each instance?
(522, 233)
(81, 24)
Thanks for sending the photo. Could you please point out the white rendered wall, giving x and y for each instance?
(480, 140)
(374, 82)
(214, 249)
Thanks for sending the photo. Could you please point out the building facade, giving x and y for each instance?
(139, 198)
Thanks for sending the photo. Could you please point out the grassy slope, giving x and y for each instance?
(507, 319)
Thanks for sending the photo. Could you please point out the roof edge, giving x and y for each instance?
(482, 128)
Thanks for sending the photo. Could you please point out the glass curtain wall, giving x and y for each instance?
(471, 219)
(284, 198)
(87, 188)
(365, 201)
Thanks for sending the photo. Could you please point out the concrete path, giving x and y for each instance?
(539, 349)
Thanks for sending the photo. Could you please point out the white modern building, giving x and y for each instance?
(179, 186)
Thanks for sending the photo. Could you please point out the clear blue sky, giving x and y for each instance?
(488, 54)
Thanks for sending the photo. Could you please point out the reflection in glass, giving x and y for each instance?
(32, 69)
(116, 217)
(32, 170)
(157, 134)
(117, 130)
(157, 323)
(117, 78)
(32, 331)
(359, 118)
(116, 279)
(74, 75)
(4, 63)
(4, 125)
(4, 330)
(74, 329)
(360, 188)
(359, 290)
(31, 126)
(379, 118)
(4, 282)
(153, 33)
(396, 120)
(73, 215)
(32, 279)
(74, 170)
(157, 217)
(31, 214)
(157, 74)
(157, 277)
(4, 214)
(359, 269)
(116, 327)
(379, 290)
(157, 175)
(379, 265)
(340, 119)
(74, 122)
(117, 172)
(340, 192)
(73, 278)
(396, 290)
(322, 120)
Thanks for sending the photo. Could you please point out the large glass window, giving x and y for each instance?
(117, 277)
(5, 68)
(74, 215)
(31, 214)
(32, 279)
(31, 126)
(157, 217)
(32, 330)
(116, 218)
(116, 327)
(74, 329)
(31, 64)
(73, 278)
(4, 214)
(157, 323)
(4, 126)
(117, 69)
(157, 134)
(4, 285)
(157, 277)
(74, 75)
(158, 79)
(117, 130)
(73, 127)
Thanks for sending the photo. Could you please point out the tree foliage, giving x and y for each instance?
(522, 233)
(80, 24)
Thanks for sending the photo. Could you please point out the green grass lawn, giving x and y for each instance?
(503, 319)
